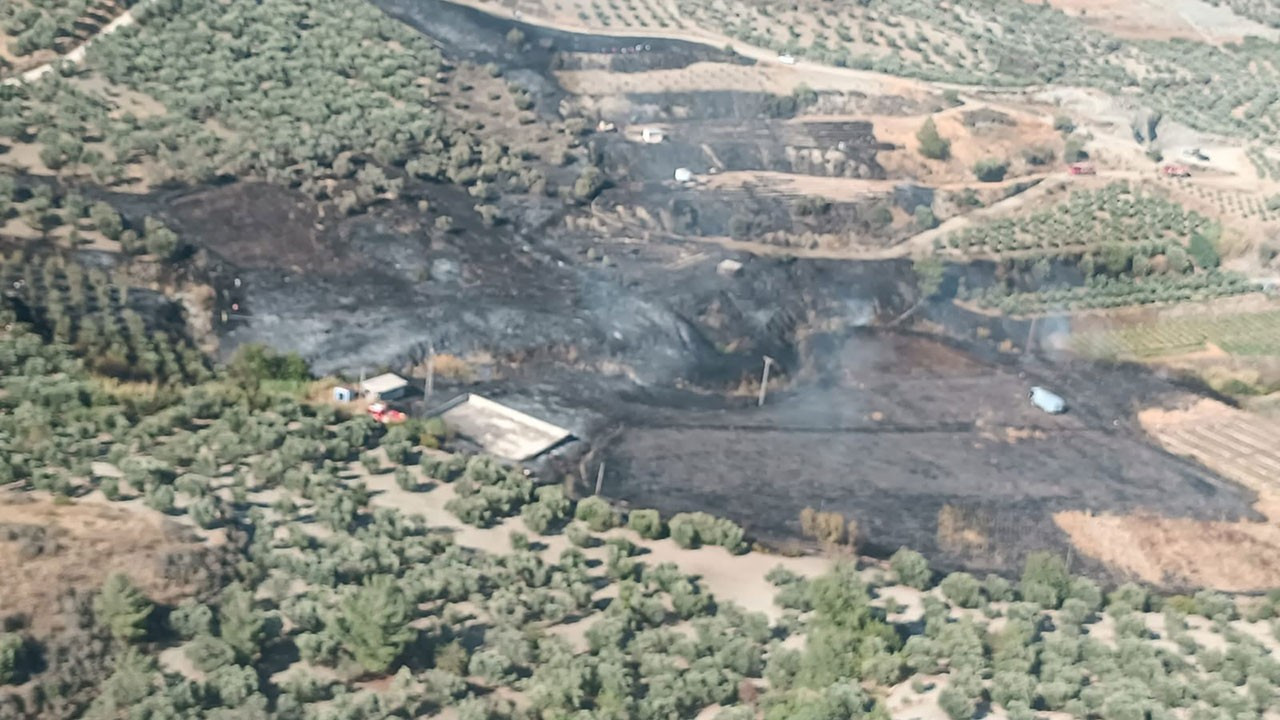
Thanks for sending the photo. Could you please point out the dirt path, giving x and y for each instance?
(76, 55)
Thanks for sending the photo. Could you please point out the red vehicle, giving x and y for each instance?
(1082, 168)
(1180, 171)
(385, 415)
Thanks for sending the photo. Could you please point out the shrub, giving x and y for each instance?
(1073, 151)
(597, 513)
(956, 703)
(827, 528)
(962, 589)
(1203, 251)
(647, 524)
(209, 653)
(690, 530)
(685, 531)
(191, 619)
(206, 512)
(933, 145)
(1064, 124)
(911, 568)
(13, 658)
(997, 588)
(122, 608)
(579, 535)
(990, 170)
(160, 498)
(1039, 155)
(924, 218)
(589, 183)
(259, 362)
(1045, 580)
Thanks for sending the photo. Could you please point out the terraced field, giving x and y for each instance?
(1239, 445)
(1241, 334)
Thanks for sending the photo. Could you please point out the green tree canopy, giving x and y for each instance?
(122, 608)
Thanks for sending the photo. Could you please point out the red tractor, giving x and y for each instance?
(385, 415)
(1177, 171)
(1081, 168)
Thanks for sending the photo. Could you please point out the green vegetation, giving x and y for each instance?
(933, 145)
(1228, 89)
(1129, 247)
(990, 170)
(1238, 334)
(367, 591)
(1117, 213)
(50, 25)
(101, 316)
(1102, 291)
(239, 87)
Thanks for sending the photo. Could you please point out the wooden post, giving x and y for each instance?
(431, 369)
(599, 478)
(764, 380)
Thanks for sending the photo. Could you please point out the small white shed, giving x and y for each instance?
(387, 386)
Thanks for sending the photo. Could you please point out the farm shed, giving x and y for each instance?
(500, 430)
(387, 386)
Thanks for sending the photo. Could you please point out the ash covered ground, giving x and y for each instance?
(646, 353)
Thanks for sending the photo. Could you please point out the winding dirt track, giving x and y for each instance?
(74, 56)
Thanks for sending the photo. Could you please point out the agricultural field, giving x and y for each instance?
(1117, 214)
(396, 580)
(1243, 334)
(1110, 247)
(128, 122)
(212, 216)
(35, 31)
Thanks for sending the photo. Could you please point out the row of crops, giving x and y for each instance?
(122, 332)
(1101, 292)
(1240, 334)
(1116, 213)
(1009, 42)
(1232, 89)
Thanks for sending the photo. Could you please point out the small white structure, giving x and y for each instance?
(729, 268)
(786, 59)
(343, 394)
(651, 135)
(684, 175)
(1047, 401)
(604, 126)
(387, 386)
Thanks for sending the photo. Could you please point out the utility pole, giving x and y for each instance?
(431, 369)
(1031, 333)
(764, 380)
(599, 478)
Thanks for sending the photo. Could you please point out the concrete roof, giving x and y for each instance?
(502, 431)
(386, 382)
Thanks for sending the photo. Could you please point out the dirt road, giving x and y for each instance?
(76, 55)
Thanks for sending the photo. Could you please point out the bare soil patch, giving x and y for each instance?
(47, 549)
(1226, 555)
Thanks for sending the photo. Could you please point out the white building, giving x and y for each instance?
(387, 386)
